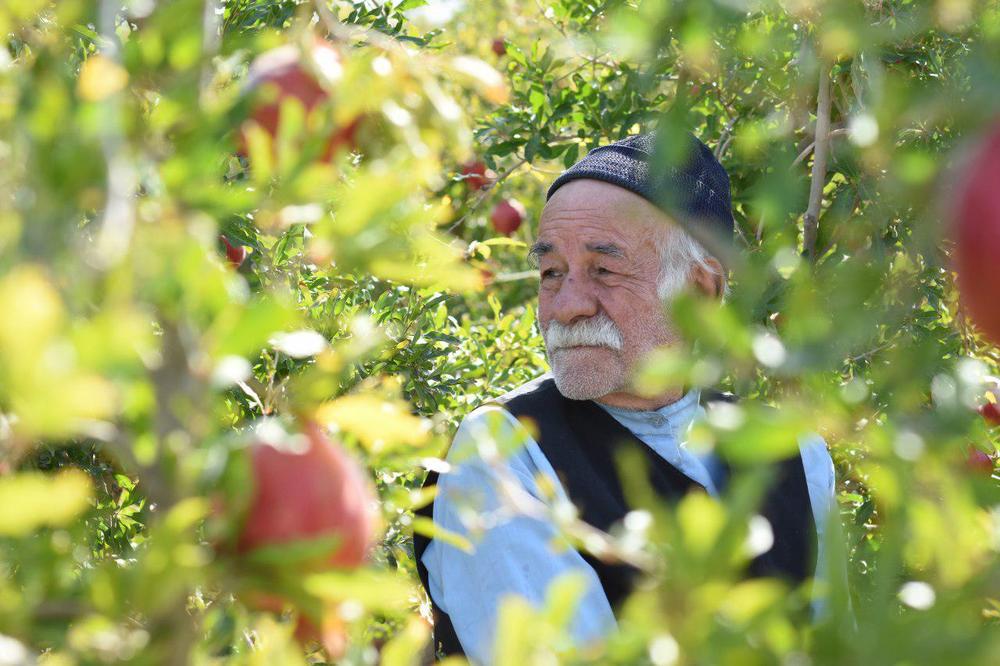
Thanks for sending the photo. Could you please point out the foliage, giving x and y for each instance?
(376, 298)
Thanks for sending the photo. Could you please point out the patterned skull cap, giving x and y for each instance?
(696, 186)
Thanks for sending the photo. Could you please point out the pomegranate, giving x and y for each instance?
(313, 493)
(507, 216)
(285, 72)
(977, 236)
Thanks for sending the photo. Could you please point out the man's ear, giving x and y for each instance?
(709, 280)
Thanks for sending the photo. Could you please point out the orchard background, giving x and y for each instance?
(139, 362)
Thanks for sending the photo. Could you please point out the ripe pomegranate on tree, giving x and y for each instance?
(316, 491)
(476, 176)
(499, 47)
(288, 73)
(507, 216)
(977, 236)
(236, 254)
(990, 412)
(304, 490)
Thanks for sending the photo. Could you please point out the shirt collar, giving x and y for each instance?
(674, 417)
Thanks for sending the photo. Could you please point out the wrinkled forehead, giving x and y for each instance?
(587, 213)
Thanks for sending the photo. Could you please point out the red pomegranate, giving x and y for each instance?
(236, 254)
(286, 72)
(507, 216)
(311, 493)
(476, 176)
(990, 411)
(977, 236)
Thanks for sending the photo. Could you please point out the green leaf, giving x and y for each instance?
(537, 99)
(406, 648)
(752, 434)
(383, 591)
(572, 153)
(294, 553)
(243, 330)
(31, 500)
(432, 530)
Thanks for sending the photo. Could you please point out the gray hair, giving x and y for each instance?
(680, 254)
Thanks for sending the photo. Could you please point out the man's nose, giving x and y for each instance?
(574, 300)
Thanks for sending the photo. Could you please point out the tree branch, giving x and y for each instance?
(810, 223)
(837, 131)
(486, 193)
(724, 139)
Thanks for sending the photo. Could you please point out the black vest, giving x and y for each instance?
(579, 439)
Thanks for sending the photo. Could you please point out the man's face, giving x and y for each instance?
(597, 301)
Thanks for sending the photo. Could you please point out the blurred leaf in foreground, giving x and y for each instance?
(31, 500)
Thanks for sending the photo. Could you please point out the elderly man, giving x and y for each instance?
(608, 256)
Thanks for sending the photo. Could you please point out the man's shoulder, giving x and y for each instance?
(535, 389)
(488, 439)
(498, 423)
(494, 411)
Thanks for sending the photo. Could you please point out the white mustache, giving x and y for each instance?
(597, 331)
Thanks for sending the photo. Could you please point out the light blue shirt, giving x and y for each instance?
(513, 553)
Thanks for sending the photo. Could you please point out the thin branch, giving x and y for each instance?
(725, 146)
(724, 139)
(838, 131)
(345, 32)
(742, 236)
(486, 193)
(547, 172)
(810, 223)
(870, 352)
(587, 60)
(550, 20)
(570, 73)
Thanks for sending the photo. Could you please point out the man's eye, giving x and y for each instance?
(601, 270)
(549, 273)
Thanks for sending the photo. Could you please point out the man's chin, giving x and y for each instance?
(586, 373)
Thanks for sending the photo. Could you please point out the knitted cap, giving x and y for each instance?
(696, 186)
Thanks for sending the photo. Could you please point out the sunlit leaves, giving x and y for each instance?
(31, 500)
(700, 519)
(372, 252)
(244, 328)
(432, 530)
(100, 78)
(404, 649)
(375, 421)
(42, 380)
(525, 634)
(486, 79)
(382, 591)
